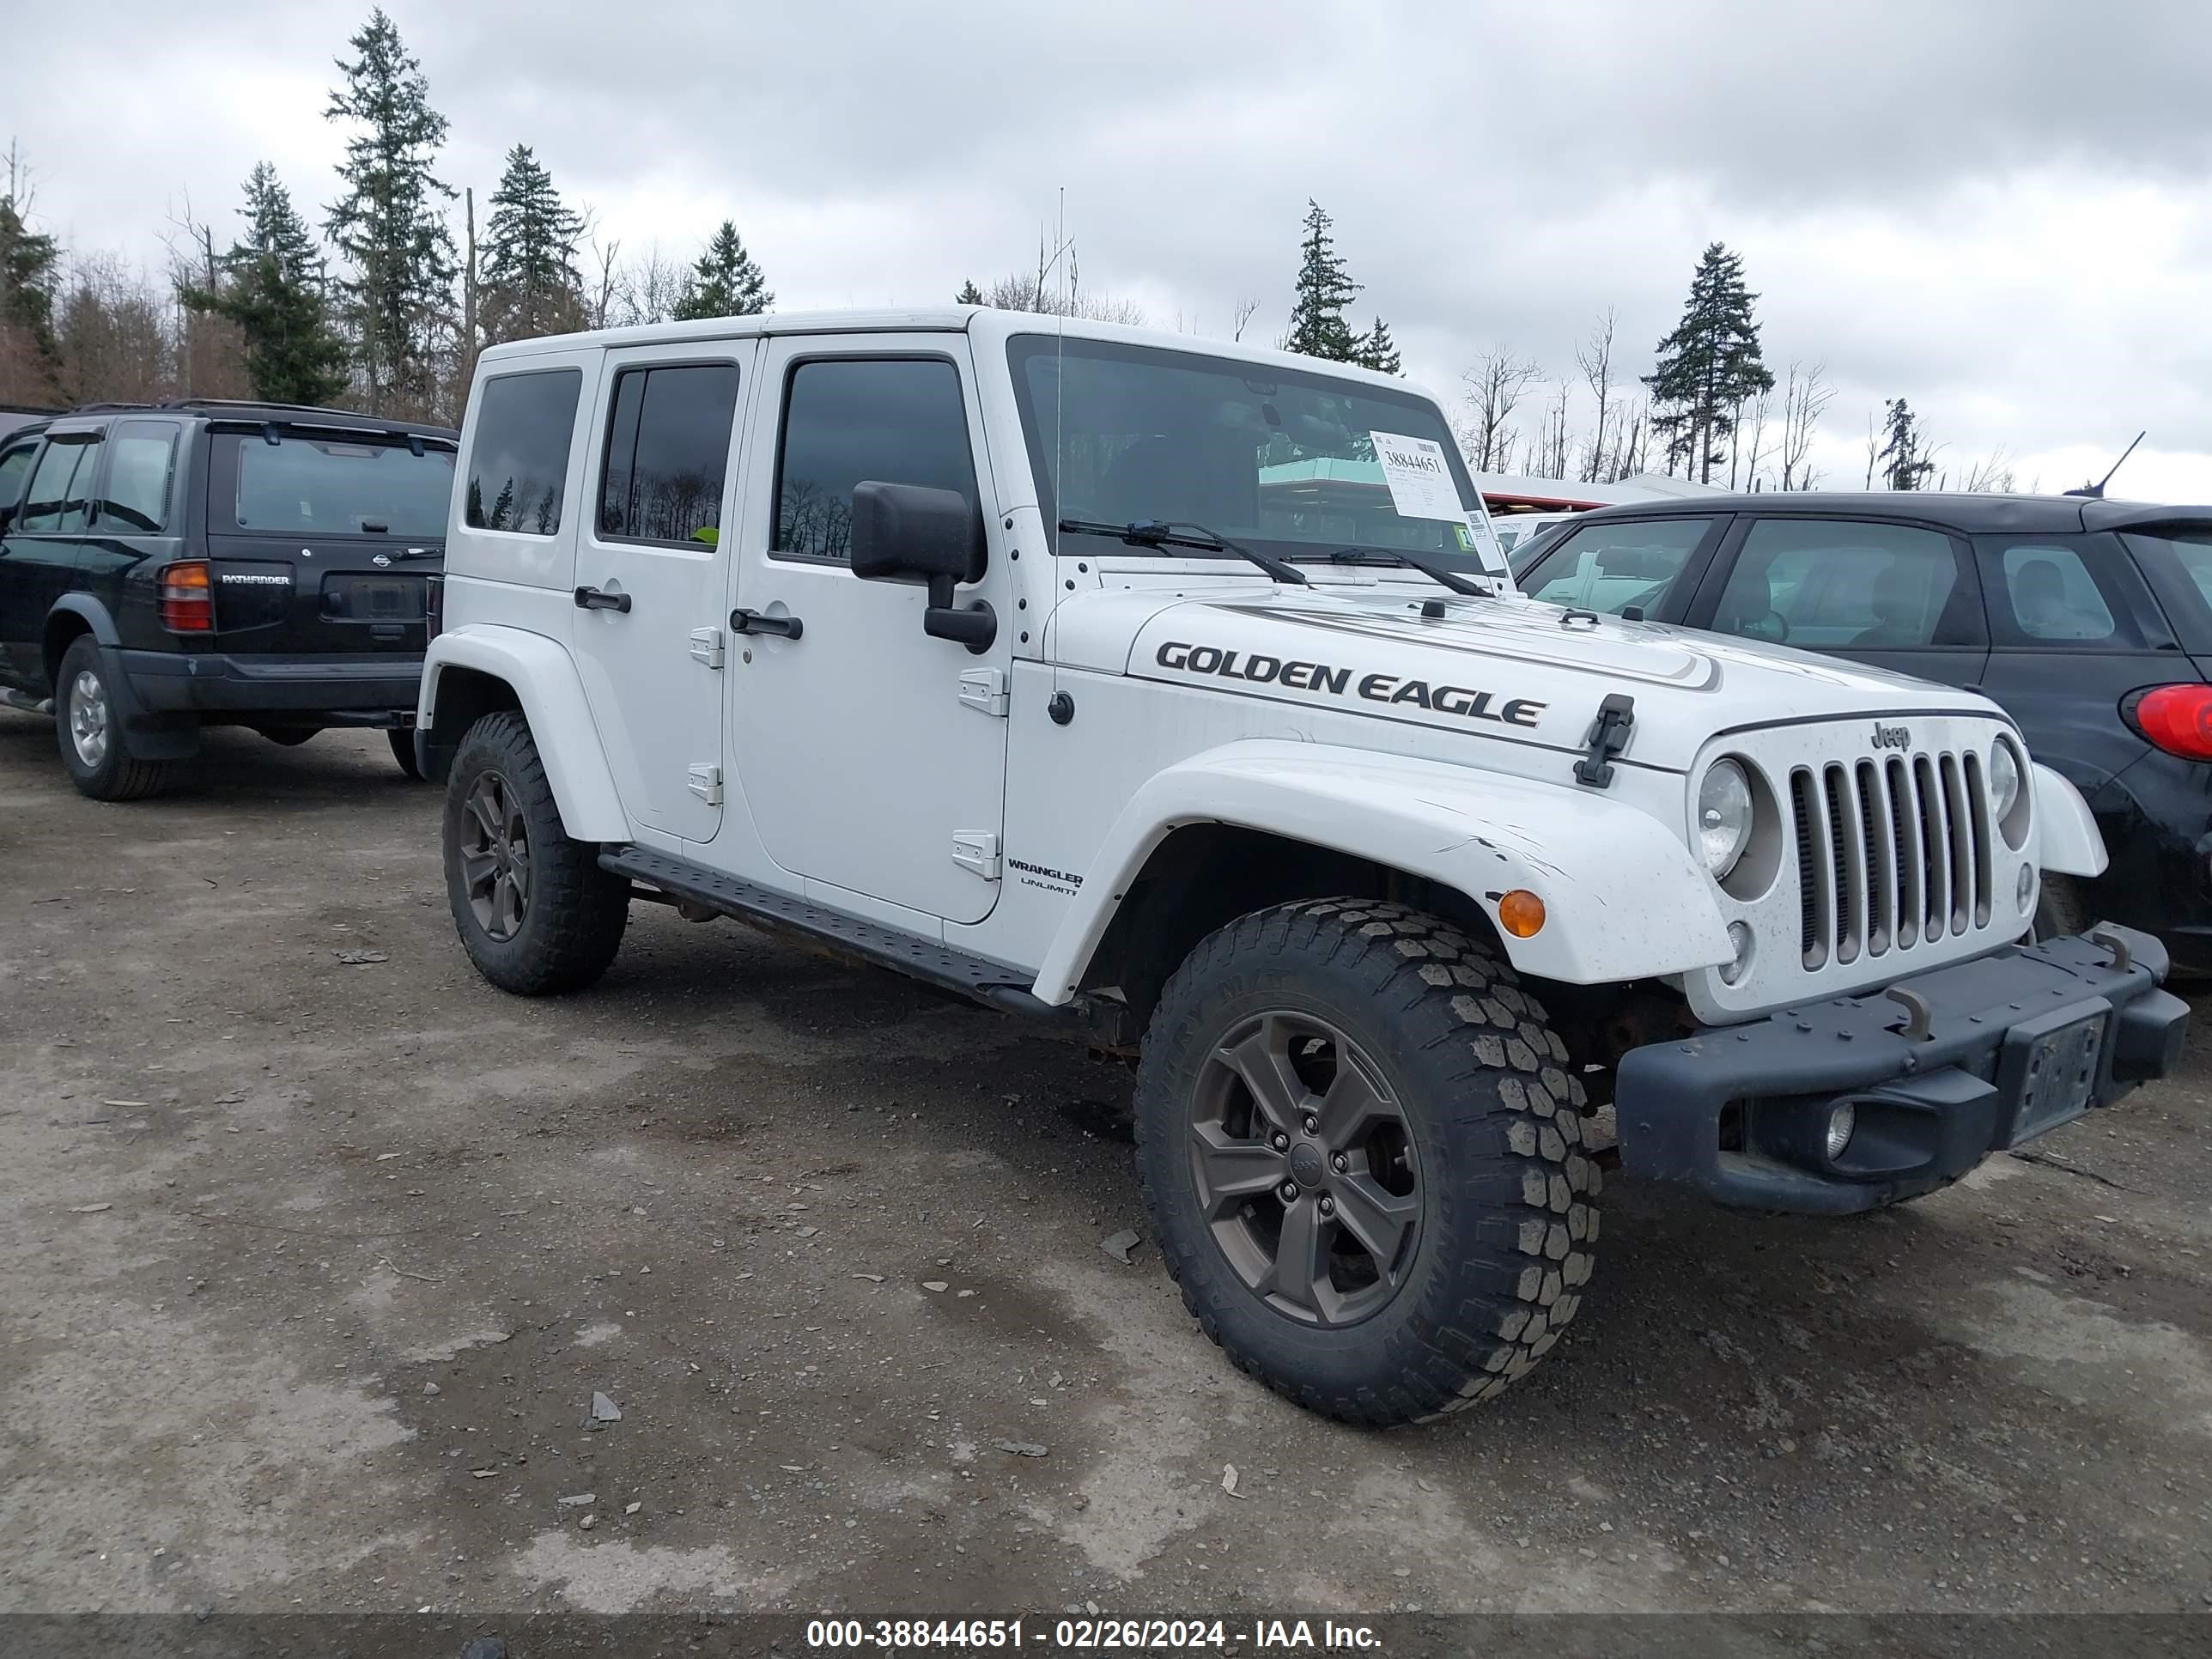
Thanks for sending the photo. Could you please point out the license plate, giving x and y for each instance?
(2059, 1077)
(373, 599)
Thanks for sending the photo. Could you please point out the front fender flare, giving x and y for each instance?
(545, 682)
(1622, 898)
(2067, 839)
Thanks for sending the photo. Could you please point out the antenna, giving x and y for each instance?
(2095, 492)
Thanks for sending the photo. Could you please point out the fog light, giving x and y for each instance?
(2024, 889)
(1841, 1121)
(1739, 941)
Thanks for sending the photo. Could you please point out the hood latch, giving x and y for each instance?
(1608, 736)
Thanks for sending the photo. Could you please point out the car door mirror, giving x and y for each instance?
(910, 529)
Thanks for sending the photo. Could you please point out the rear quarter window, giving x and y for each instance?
(519, 458)
(2056, 593)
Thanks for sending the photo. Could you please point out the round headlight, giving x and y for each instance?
(2004, 781)
(1723, 817)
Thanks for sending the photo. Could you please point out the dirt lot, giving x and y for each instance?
(312, 1269)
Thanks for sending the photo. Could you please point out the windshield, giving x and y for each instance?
(1296, 464)
(327, 487)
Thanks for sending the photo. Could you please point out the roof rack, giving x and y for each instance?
(250, 409)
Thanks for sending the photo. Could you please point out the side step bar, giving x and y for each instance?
(26, 702)
(991, 983)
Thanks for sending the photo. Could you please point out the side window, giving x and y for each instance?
(140, 466)
(1607, 568)
(668, 453)
(519, 460)
(55, 505)
(1829, 584)
(848, 420)
(14, 473)
(2050, 598)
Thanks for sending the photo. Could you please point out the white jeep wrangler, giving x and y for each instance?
(1176, 693)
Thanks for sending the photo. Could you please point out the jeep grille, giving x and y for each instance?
(1891, 853)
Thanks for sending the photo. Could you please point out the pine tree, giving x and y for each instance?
(387, 224)
(29, 262)
(273, 289)
(1378, 351)
(530, 254)
(1317, 325)
(969, 295)
(725, 283)
(1905, 465)
(1708, 366)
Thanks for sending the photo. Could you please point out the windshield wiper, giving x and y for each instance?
(1435, 571)
(1156, 533)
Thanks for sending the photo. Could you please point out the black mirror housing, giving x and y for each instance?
(911, 530)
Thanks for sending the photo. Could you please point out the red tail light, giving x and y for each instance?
(187, 599)
(2177, 719)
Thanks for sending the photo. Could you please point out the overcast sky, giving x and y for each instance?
(1998, 209)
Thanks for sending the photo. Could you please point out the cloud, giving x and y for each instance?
(1993, 208)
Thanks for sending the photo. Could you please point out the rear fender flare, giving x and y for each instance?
(1622, 898)
(545, 680)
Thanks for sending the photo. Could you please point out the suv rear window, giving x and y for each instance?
(519, 458)
(2177, 563)
(327, 486)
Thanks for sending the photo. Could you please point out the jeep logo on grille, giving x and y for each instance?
(1892, 737)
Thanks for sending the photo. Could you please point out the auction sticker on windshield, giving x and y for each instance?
(1420, 480)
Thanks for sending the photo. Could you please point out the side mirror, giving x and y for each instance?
(910, 529)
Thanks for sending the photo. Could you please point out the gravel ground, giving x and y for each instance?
(318, 1251)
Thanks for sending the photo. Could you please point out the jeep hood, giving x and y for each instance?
(1509, 667)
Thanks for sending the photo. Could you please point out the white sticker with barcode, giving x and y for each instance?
(1419, 477)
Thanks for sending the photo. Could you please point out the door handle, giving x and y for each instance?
(752, 622)
(590, 599)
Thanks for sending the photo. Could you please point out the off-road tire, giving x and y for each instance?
(403, 750)
(573, 914)
(1508, 1220)
(2060, 911)
(116, 774)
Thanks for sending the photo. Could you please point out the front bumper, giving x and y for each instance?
(364, 691)
(1740, 1112)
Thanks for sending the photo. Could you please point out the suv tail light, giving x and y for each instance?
(2177, 718)
(187, 599)
(433, 607)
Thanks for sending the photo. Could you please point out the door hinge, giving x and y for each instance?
(707, 784)
(977, 850)
(707, 646)
(984, 690)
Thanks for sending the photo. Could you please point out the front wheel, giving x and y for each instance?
(534, 910)
(1362, 1151)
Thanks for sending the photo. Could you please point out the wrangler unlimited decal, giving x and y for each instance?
(1262, 670)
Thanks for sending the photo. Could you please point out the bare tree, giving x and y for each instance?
(599, 303)
(1554, 446)
(1041, 291)
(1992, 475)
(1494, 386)
(1754, 431)
(1246, 309)
(1594, 358)
(645, 290)
(1804, 399)
(1873, 445)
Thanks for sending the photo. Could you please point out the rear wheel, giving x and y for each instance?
(1362, 1150)
(403, 750)
(2060, 911)
(534, 910)
(88, 727)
